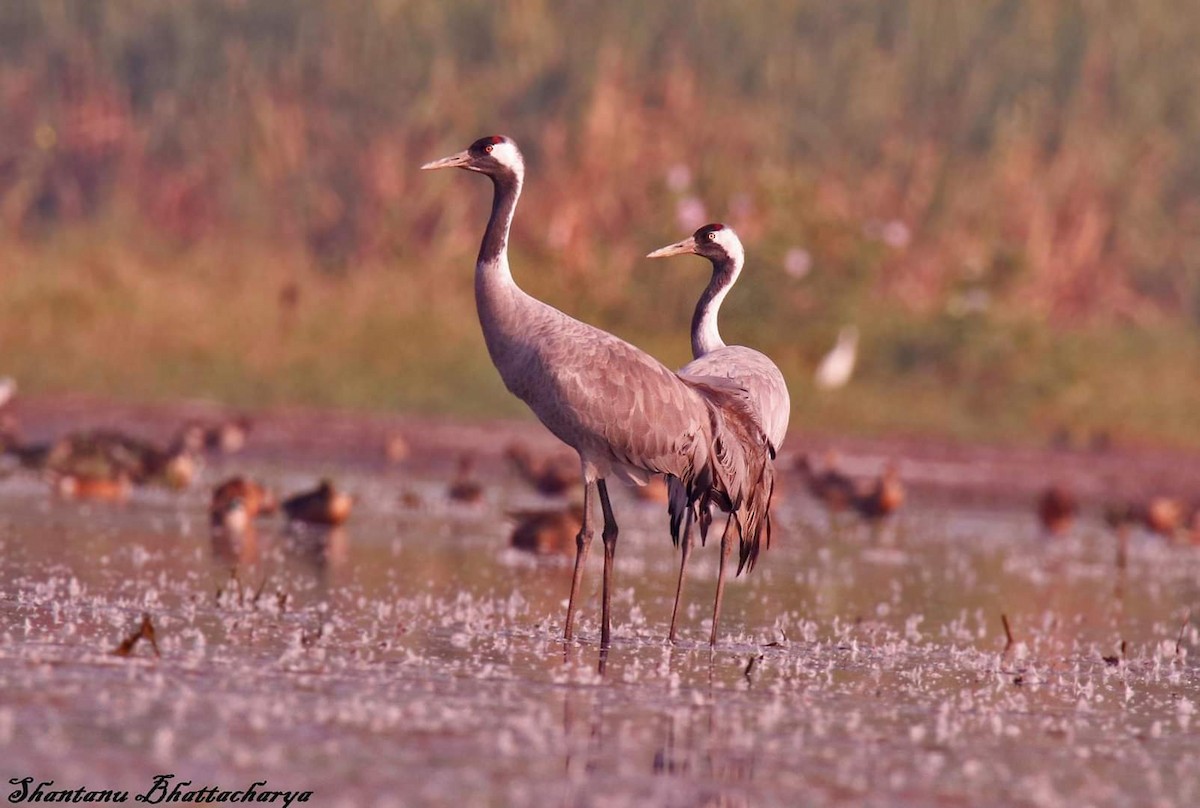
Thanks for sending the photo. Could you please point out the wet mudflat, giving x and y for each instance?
(411, 658)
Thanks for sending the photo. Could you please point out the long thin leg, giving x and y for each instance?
(583, 543)
(685, 547)
(609, 535)
(726, 549)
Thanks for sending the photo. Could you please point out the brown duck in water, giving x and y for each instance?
(552, 476)
(828, 485)
(882, 498)
(465, 487)
(29, 455)
(395, 448)
(106, 453)
(1193, 526)
(324, 505)
(1160, 515)
(226, 436)
(547, 532)
(92, 487)
(238, 501)
(1057, 508)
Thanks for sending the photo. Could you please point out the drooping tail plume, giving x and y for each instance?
(740, 470)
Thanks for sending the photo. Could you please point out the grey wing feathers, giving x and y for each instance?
(761, 379)
(618, 406)
(742, 471)
(625, 413)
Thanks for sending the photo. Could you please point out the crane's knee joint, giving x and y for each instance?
(583, 540)
(610, 533)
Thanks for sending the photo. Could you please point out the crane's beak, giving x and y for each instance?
(688, 245)
(459, 160)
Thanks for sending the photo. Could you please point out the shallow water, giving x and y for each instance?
(410, 658)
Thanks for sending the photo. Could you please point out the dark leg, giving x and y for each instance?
(609, 535)
(583, 543)
(685, 547)
(726, 549)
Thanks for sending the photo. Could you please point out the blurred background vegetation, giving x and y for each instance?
(220, 198)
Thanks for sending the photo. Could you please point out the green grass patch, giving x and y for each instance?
(93, 314)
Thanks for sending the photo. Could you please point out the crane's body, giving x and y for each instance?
(623, 411)
(759, 376)
(766, 393)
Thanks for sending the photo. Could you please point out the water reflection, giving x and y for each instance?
(232, 548)
(321, 551)
(582, 733)
(317, 554)
(695, 748)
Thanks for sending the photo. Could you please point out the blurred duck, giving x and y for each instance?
(224, 437)
(395, 448)
(29, 455)
(828, 485)
(464, 487)
(552, 476)
(93, 487)
(230, 513)
(229, 436)
(238, 501)
(547, 532)
(1057, 508)
(411, 499)
(882, 498)
(1161, 515)
(107, 453)
(839, 492)
(838, 365)
(1193, 526)
(324, 505)
(176, 469)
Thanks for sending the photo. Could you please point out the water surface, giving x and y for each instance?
(410, 658)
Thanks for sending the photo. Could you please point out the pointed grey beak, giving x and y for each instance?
(459, 160)
(688, 245)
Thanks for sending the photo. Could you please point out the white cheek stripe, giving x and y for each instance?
(706, 336)
(507, 155)
(732, 244)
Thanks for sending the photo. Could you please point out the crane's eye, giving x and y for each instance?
(488, 148)
(712, 236)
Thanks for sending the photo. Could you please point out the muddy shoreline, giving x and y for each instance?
(934, 470)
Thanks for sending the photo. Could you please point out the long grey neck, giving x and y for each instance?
(706, 336)
(494, 248)
(496, 294)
